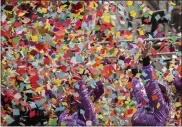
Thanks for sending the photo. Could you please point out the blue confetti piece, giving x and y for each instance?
(121, 62)
(79, 58)
(155, 32)
(76, 85)
(84, 26)
(139, 2)
(16, 112)
(124, 44)
(144, 74)
(133, 51)
(72, 45)
(122, 122)
(40, 102)
(32, 105)
(92, 83)
(82, 111)
(171, 8)
(157, 17)
(9, 119)
(62, 15)
(6, 27)
(60, 109)
(61, 74)
(168, 16)
(63, 1)
(112, 118)
(113, 96)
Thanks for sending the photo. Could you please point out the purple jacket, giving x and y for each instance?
(85, 105)
(139, 91)
(161, 108)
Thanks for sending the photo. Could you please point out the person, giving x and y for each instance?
(81, 113)
(152, 93)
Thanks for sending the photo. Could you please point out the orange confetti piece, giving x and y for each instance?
(154, 97)
(129, 85)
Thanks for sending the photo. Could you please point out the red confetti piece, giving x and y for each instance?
(32, 114)
(154, 52)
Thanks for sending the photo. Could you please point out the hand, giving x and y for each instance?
(146, 48)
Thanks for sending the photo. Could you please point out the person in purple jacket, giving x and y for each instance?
(153, 93)
(76, 117)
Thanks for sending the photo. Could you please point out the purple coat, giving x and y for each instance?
(85, 105)
(139, 91)
(161, 108)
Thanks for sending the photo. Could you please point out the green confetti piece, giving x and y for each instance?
(16, 40)
(123, 109)
(60, 88)
(75, 40)
(146, 14)
(174, 38)
(97, 28)
(53, 122)
(92, 56)
(132, 103)
(131, 8)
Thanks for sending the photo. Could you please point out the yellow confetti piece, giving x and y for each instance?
(47, 26)
(130, 3)
(118, 34)
(126, 102)
(63, 6)
(177, 104)
(21, 14)
(133, 13)
(17, 55)
(169, 78)
(39, 89)
(172, 3)
(113, 22)
(141, 31)
(65, 47)
(76, 15)
(63, 124)
(150, 12)
(138, 75)
(174, 89)
(137, 55)
(57, 81)
(158, 105)
(107, 19)
(44, 10)
(34, 38)
(80, 71)
(134, 110)
(120, 97)
(10, 12)
(31, 57)
(64, 104)
(28, 86)
(100, 116)
(93, 4)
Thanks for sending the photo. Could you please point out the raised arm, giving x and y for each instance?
(152, 88)
(86, 103)
(139, 91)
